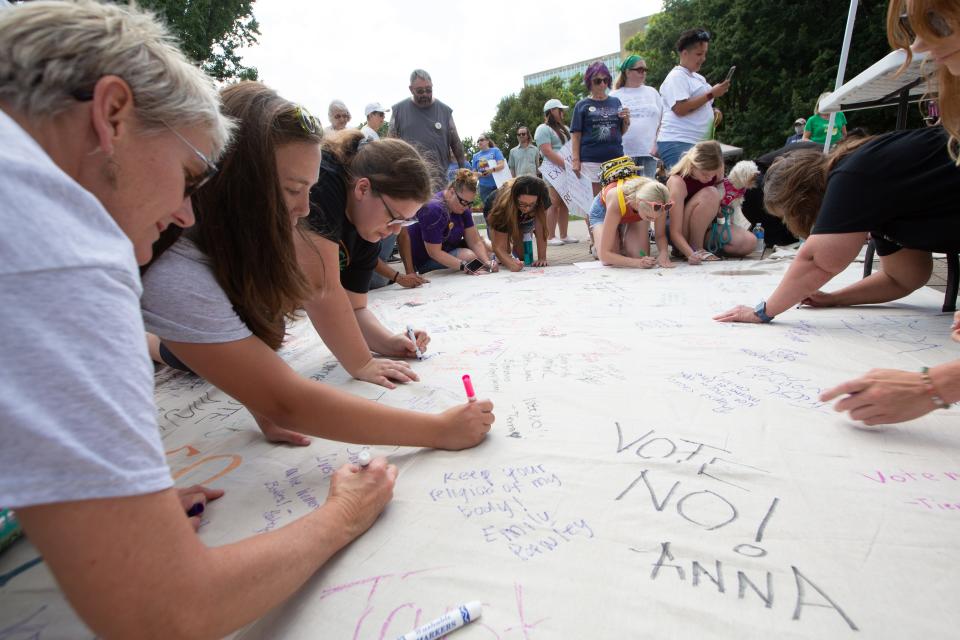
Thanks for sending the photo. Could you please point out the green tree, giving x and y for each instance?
(211, 32)
(786, 53)
(526, 108)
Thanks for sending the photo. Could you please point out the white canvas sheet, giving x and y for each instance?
(651, 474)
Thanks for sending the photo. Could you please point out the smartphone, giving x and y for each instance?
(474, 265)
(730, 73)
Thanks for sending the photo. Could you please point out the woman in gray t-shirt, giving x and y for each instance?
(218, 298)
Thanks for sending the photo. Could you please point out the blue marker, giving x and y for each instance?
(413, 338)
(446, 623)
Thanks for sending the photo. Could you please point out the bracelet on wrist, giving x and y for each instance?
(396, 274)
(937, 399)
(709, 96)
(462, 265)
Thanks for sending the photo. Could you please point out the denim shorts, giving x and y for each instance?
(671, 152)
(597, 211)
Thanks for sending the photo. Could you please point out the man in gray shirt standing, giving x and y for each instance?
(428, 125)
(524, 157)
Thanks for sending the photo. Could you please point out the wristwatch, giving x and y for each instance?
(761, 311)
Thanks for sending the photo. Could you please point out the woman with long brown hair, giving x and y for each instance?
(520, 208)
(218, 298)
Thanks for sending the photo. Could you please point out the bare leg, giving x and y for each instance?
(552, 212)
(563, 216)
(699, 214)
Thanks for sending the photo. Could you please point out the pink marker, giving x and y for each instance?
(468, 387)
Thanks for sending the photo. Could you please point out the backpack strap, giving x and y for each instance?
(621, 199)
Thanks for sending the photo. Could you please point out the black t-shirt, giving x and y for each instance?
(328, 218)
(902, 187)
(775, 232)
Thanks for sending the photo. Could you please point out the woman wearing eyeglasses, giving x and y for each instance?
(444, 224)
(598, 124)
(218, 298)
(646, 111)
(621, 216)
(688, 96)
(519, 207)
(366, 192)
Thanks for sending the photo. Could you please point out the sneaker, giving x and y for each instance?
(569, 240)
(555, 242)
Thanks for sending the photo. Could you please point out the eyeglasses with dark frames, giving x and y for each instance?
(395, 220)
(423, 90)
(464, 202)
(638, 69)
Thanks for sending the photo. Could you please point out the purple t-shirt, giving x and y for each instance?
(437, 226)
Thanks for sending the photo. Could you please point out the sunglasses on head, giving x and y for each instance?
(702, 36)
(935, 21)
(307, 122)
(601, 81)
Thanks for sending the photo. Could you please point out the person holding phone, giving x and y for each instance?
(689, 116)
(444, 223)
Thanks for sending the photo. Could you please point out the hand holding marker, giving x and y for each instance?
(413, 338)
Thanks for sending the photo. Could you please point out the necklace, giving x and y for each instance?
(435, 115)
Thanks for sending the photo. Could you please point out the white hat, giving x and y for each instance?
(800, 121)
(553, 103)
(373, 106)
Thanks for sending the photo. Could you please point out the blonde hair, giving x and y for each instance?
(949, 84)
(51, 50)
(639, 189)
(706, 156)
(464, 179)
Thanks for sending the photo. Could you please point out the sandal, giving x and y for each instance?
(705, 256)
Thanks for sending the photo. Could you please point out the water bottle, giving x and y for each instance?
(528, 248)
(758, 231)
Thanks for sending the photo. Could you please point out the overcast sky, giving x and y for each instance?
(477, 53)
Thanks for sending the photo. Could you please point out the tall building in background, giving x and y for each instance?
(627, 30)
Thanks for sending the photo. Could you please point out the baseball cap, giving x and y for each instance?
(553, 103)
(800, 121)
(373, 106)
